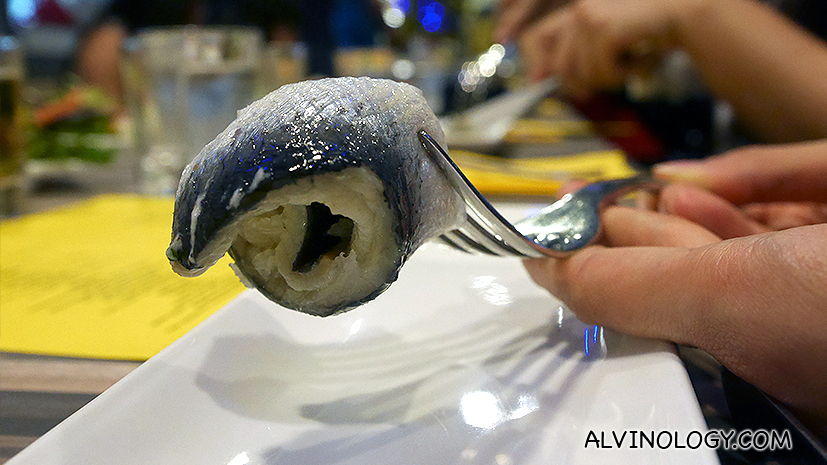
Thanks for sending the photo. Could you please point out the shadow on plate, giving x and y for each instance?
(480, 391)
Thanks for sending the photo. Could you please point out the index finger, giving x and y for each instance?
(794, 172)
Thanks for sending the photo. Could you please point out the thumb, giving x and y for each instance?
(637, 290)
(629, 286)
(755, 303)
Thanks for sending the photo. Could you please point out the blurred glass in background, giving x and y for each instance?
(184, 85)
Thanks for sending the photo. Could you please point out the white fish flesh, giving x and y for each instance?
(319, 191)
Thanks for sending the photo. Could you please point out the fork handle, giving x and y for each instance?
(573, 222)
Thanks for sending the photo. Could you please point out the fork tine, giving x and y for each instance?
(481, 215)
(492, 238)
(451, 243)
(471, 242)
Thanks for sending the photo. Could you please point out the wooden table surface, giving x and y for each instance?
(37, 393)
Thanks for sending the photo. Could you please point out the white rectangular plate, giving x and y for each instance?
(462, 361)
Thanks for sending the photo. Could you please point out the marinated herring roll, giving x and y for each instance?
(319, 191)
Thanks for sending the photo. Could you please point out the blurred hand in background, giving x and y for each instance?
(747, 53)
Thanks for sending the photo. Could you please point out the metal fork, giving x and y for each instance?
(560, 229)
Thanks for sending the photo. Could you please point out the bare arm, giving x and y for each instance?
(770, 70)
(98, 58)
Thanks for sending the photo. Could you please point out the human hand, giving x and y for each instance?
(755, 301)
(515, 15)
(751, 190)
(593, 44)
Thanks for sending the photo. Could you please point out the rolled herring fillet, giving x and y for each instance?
(320, 191)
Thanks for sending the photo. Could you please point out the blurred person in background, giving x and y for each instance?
(98, 55)
(733, 259)
(321, 24)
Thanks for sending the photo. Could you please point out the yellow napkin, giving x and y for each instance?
(538, 176)
(92, 281)
(540, 131)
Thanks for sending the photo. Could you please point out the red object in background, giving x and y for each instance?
(616, 121)
(50, 12)
(59, 109)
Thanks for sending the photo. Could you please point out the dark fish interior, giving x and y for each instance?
(326, 234)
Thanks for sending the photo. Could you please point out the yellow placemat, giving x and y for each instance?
(540, 131)
(538, 176)
(92, 281)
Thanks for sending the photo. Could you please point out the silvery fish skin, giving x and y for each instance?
(320, 191)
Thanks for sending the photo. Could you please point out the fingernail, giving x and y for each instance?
(681, 171)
